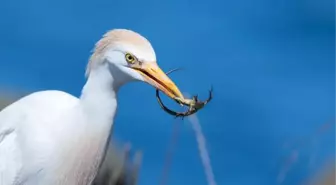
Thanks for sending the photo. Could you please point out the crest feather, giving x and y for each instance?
(113, 37)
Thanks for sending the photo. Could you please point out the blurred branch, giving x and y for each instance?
(4, 102)
(117, 168)
(325, 177)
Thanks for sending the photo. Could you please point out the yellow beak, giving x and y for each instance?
(157, 78)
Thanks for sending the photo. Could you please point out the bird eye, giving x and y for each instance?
(130, 58)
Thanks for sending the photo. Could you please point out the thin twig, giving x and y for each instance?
(201, 142)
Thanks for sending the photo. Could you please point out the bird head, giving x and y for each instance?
(130, 56)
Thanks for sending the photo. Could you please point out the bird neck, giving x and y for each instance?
(99, 97)
(87, 145)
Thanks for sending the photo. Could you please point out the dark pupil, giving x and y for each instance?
(130, 57)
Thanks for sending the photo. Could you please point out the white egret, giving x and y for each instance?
(51, 137)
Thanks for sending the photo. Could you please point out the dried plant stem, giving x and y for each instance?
(203, 150)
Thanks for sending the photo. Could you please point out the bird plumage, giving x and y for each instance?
(127, 37)
(53, 138)
(30, 119)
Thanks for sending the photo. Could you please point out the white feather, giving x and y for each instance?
(54, 138)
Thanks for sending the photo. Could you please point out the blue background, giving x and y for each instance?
(271, 64)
